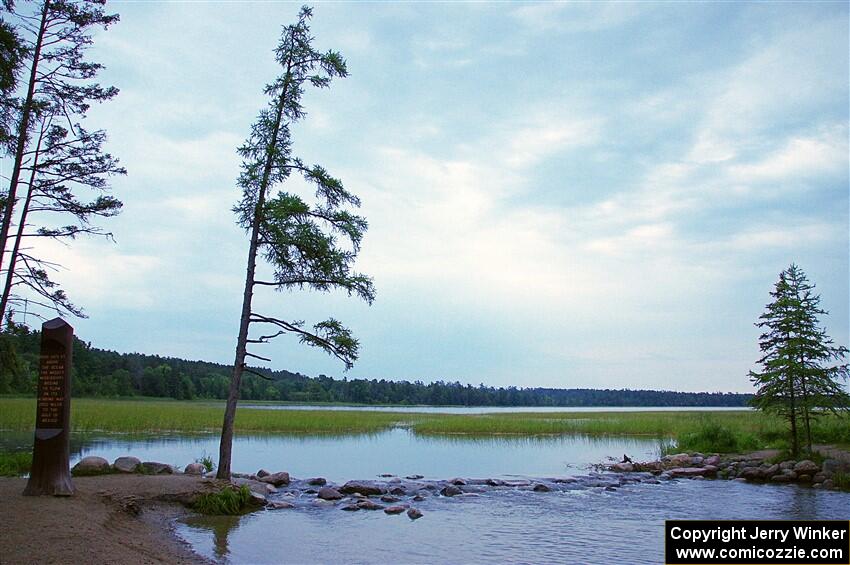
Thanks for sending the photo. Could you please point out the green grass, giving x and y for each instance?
(133, 416)
(693, 431)
(229, 501)
(15, 464)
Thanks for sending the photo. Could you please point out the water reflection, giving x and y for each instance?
(219, 527)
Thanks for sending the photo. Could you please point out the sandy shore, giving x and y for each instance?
(112, 519)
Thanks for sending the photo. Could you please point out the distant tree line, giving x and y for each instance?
(98, 372)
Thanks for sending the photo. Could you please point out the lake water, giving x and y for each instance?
(581, 523)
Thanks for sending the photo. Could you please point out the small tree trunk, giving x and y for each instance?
(226, 445)
(23, 128)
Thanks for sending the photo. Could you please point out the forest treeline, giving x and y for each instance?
(99, 372)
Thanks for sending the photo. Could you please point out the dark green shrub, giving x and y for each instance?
(229, 501)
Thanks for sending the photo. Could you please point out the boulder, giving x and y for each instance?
(750, 473)
(828, 484)
(677, 460)
(280, 504)
(540, 487)
(495, 482)
(195, 469)
(770, 471)
(804, 478)
(329, 493)
(458, 482)
(91, 465)
(783, 478)
(395, 509)
(806, 467)
(451, 490)
(350, 508)
(367, 504)
(697, 460)
(787, 464)
(414, 477)
(317, 481)
(414, 514)
(369, 489)
(398, 491)
(418, 498)
(126, 464)
(819, 477)
(257, 500)
(713, 460)
(154, 468)
(389, 498)
(276, 479)
(710, 469)
(623, 467)
(687, 472)
(262, 473)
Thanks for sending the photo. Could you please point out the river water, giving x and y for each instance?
(584, 523)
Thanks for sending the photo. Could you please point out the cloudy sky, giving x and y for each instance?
(570, 195)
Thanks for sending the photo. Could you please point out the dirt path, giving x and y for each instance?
(100, 524)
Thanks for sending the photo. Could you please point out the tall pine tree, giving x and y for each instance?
(308, 243)
(802, 368)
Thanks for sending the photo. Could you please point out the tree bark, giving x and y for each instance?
(226, 445)
(23, 127)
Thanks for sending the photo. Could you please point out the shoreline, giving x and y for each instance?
(124, 519)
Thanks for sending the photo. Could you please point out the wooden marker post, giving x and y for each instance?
(51, 473)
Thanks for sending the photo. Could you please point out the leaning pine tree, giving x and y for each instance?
(802, 369)
(309, 244)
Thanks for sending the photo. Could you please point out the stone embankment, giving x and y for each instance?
(753, 467)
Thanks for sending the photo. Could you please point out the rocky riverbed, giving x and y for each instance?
(758, 467)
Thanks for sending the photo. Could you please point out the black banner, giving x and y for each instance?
(758, 542)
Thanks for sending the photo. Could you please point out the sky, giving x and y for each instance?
(566, 195)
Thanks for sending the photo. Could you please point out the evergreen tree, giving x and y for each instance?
(801, 366)
(53, 156)
(300, 239)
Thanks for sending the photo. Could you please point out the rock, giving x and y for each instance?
(418, 498)
(414, 477)
(819, 477)
(790, 473)
(713, 460)
(828, 484)
(750, 473)
(126, 464)
(386, 475)
(623, 467)
(317, 481)
(398, 491)
(395, 509)
(451, 490)
(91, 465)
(276, 479)
(262, 473)
(697, 460)
(368, 489)
(687, 472)
(414, 514)
(678, 460)
(329, 493)
(351, 507)
(394, 480)
(787, 465)
(770, 471)
(195, 469)
(388, 498)
(367, 504)
(610, 488)
(495, 482)
(804, 478)
(280, 504)
(710, 469)
(540, 487)
(258, 500)
(806, 467)
(458, 482)
(154, 468)
(740, 480)
(783, 478)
